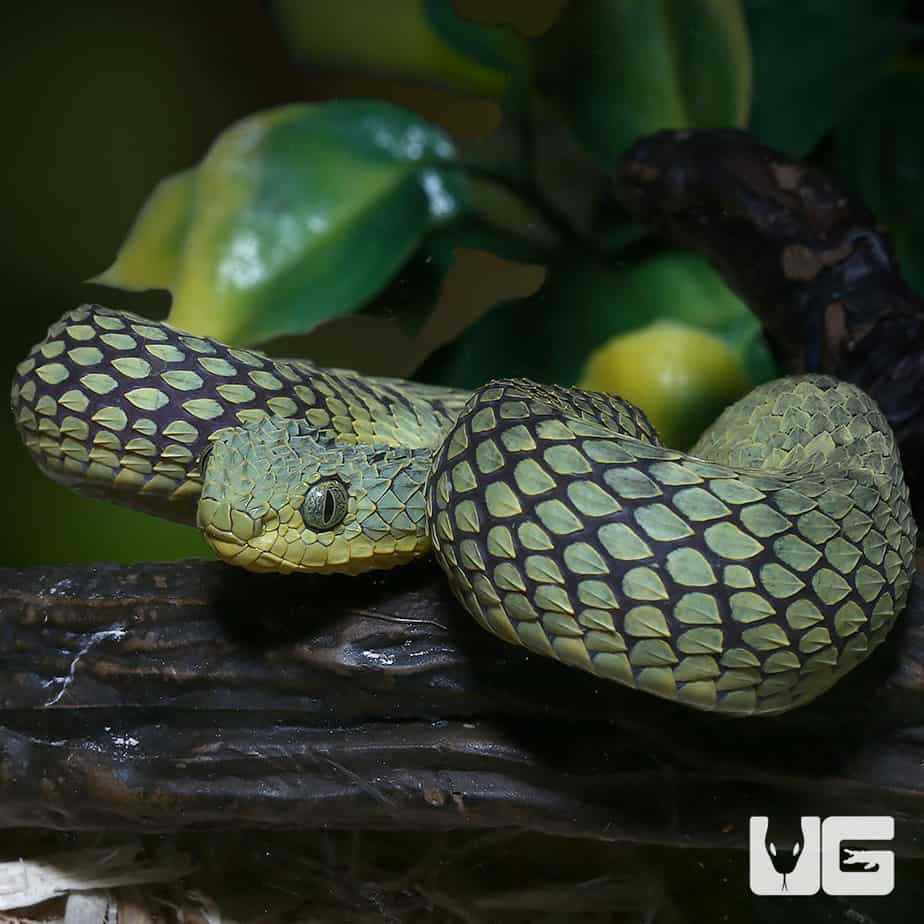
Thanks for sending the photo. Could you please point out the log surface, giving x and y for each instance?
(191, 695)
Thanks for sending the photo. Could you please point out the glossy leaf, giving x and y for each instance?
(550, 336)
(620, 69)
(813, 60)
(422, 39)
(879, 150)
(295, 216)
(157, 238)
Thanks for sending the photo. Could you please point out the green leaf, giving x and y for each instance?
(295, 216)
(813, 60)
(879, 150)
(620, 69)
(421, 39)
(550, 335)
(157, 238)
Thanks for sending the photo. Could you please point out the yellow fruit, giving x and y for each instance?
(679, 376)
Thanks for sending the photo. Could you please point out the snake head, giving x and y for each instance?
(279, 496)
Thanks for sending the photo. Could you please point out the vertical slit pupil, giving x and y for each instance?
(329, 504)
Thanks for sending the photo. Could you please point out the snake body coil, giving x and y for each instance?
(744, 578)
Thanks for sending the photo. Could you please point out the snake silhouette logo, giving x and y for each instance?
(800, 856)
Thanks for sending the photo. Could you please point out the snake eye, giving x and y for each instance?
(325, 505)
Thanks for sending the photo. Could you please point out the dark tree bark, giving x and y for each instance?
(191, 695)
(808, 259)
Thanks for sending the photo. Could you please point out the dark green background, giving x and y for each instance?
(102, 100)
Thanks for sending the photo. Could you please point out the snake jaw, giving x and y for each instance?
(227, 531)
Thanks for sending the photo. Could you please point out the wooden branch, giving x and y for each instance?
(808, 259)
(191, 695)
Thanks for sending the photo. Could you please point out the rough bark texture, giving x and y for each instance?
(808, 259)
(191, 695)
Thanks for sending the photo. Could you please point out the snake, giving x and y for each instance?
(744, 577)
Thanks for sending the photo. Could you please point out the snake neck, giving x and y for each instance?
(119, 407)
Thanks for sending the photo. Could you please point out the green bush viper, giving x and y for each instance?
(745, 577)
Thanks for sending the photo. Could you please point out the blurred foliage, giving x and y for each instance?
(585, 303)
(421, 40)
(328, 189)
(620, 69)
(300, 214)
(814, 61)
(879, 150)
(293, 217)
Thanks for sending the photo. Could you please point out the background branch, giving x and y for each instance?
(809, 259)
